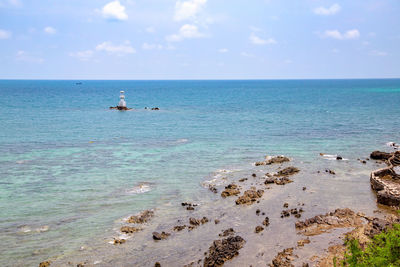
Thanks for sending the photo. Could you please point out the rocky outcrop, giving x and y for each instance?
(287, 171)
(272, 160)
(44, 264)
(249, 197)
(142, 217)
(223, 250)
(340, 218)
(120, 108)
(378, 155)
(230, 190)
(160, 236)
(283, 259)
(386, 181)
(129, 229)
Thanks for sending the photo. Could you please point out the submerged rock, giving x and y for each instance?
(272, 160)
(44, 264)
(142, 217)
(179, 227)
(129, 229)
(258, 229)
(120, 108)
(223, 250)
(249, 197)
(266, 221)
(287, 171)
(230, 190)
(283, 259)
(340, 218)
(160, 236)
(119, 241)
(227, 232)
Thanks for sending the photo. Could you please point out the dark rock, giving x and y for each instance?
(302, 242)
(272, 160)
(282, 181)
(155, 108)
(287, 171)
(286, 205)
(330, 171)
(285, 213)
(227, 232)
(190, 208)
(157, 264)
(249, 197)
(216, 221)
(254, 175)
(380, 155)
(223, 250)
(194, 221)
(120, 108)
(129, 229)
(339, 158)
(44, 264)
(259, 229)
(258, 212)
(283, 259)
(119, 241)
(266, 221)
(179, 227)
(269, 180)
(142, 217)
(230, 190)
(304, 188)
(242, 180)
(213, 189)
(160, 236)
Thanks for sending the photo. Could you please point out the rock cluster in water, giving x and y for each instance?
(223, 250)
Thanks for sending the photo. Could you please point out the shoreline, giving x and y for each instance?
(198, 226)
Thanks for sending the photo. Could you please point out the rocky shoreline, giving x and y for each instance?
(242, 195)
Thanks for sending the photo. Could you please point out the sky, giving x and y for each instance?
(199, 39)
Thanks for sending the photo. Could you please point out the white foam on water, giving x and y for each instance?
(392, 144)
(331, 157)
(97, 262)
(139, 189)
(43, 228)
(181, 141)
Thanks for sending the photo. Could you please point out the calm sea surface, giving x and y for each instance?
(70, 167)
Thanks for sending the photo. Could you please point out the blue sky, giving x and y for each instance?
(199, 39)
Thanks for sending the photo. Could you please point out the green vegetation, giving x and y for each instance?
(383, 250)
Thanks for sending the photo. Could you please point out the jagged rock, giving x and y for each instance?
(223, 250)
(340, 218)
(269, 180)
(129, 229)
(287, 171)
(285, 213)
(142, 217)
(283, 259)
(213, 189)
(119, 241)
(44, 264)
(227, 232)
(271, 160)
(266, 221)
(160, 236)
(258, 229)
(378, 155)
(157, 264)
(194, 222)
(230, 190)
(179, 227)
(282, 181)
(286, 205)
(302, 242)
(120, 108)
(249, 197)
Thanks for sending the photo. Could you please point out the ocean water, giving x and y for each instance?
(70, 167)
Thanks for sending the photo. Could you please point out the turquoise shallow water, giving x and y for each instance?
(69, 167)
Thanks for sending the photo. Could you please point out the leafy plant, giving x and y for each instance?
(383, 250)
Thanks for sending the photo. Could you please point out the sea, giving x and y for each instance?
(71, 168)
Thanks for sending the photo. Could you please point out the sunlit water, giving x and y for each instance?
(71, 169)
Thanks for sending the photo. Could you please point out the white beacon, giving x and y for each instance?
(122, 102)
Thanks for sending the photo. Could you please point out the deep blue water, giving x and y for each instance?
(68, 162)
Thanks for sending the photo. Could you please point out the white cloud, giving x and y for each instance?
(188, 9)
(147, 46)
(109, 47)
(14, 3)
(259, 41)
(4, 34)
(335, 34)
(82, 55)
(378, 53)
(114, 10)
(150, 30)
(187, 31)
(332, 10)
(24, 56)
(50, 30)
(245, 54)
(223, 50)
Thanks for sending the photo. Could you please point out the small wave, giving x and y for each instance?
(392, 144)
(181, 141)
(218, 178)
(331, 157)
(140, 188)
